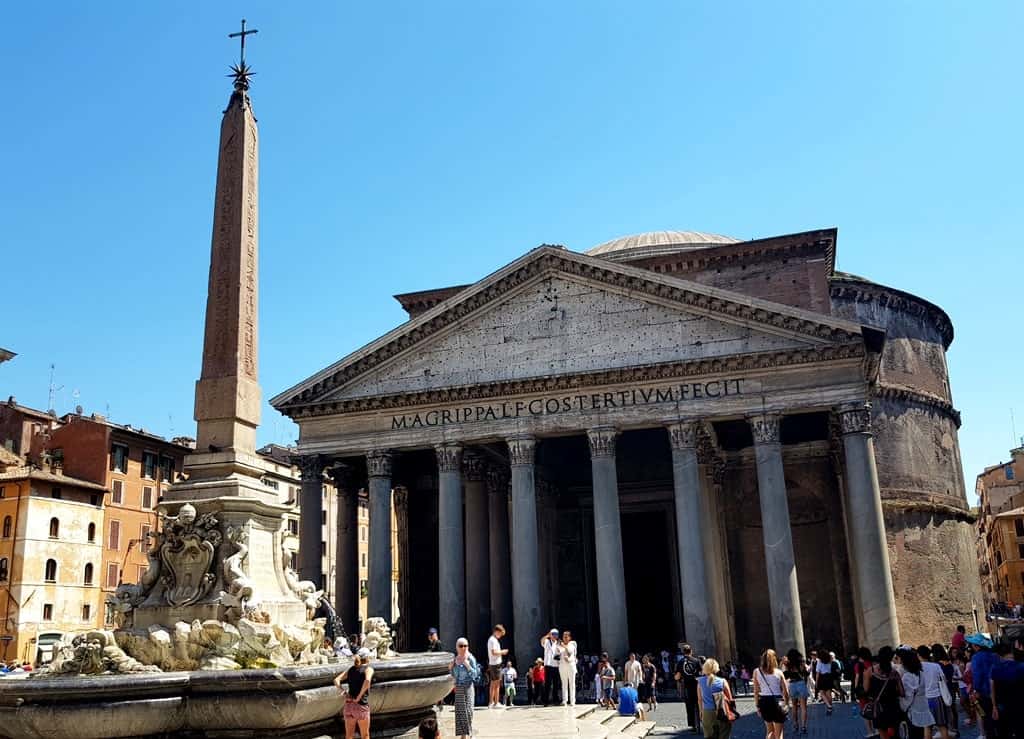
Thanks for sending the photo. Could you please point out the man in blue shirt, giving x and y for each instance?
(982, 662)
(629, 702)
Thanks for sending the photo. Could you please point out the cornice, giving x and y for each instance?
(748, 252)
(542, 261)
(930, 403)
(575, 381)
(849, 287)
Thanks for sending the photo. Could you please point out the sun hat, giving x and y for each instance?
(363, 653)
(554, 631)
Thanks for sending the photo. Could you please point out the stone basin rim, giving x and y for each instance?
(153, 685)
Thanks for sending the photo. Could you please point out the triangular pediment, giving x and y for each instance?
(554, 312)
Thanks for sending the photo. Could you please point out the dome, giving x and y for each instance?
(655, 243)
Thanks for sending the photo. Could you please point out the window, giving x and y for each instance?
(3, 569)
(363, 557)
(87, 575)
(323, 582)
(3, 492)
(50, 575)
(86, 611)
(111, 574)
(119, 458)
(54, 528)
(1018, 524)
(323, 518)
(94, 499)
(294, 561)
(362, 533)
(363, 589)
(47, 611)
(148, 465)
(1020, 551)
(114, 537)
(7, 527)
(1009, 471)
(56, 493)
(270, 483)
(147, 497)
(92, 533)
(144, 537)
(117, 492)
(166, 469)
(323, 549)
(293, 526)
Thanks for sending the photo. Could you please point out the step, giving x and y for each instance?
(640, 729)
(616, 724)
(584, 710)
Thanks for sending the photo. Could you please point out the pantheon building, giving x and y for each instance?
(670, 435)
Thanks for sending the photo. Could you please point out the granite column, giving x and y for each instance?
(346, 567)
(865, 529)
(611, 575)
(783, 592)
(692, 539)
(378, 597)
(311, 508)
(478, 550)
(451, 551)
(525, 563)
(500, 569)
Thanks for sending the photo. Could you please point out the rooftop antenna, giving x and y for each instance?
(54, 389)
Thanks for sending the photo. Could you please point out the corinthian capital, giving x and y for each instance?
(497, 481)
(521, 449)
(449, 457)
(765, 428)
(855, 419)
(474, 467)
(344, 478)
(378, 463)
(311, 466)
(602, 441)
(682, 435)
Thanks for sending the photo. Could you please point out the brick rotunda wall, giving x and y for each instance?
(927, 518)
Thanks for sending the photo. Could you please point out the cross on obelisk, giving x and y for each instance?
(242, 34)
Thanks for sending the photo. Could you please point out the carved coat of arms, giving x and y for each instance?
(187, 554)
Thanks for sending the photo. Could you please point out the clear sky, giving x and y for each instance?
(410, 145)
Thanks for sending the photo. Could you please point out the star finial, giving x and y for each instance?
(241, 73)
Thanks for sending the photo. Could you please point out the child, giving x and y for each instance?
(607, 673)
(508, 680)
(429, 729)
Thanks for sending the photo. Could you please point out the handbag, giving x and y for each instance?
(870, 710)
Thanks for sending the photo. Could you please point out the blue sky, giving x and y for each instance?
(411, 145)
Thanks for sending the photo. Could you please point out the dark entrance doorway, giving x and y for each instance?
(647, 546)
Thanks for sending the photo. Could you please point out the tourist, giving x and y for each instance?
(688, 670)
(648, 685)
(882, 692)
(861, 676)
(837, 676)
(745, 679)
(494, 654)
(959, 640)
(357, 679)
(428, 729)
(982, 662)
(1007, 687)
(664, 669)
(567, 668)
(433, 642)
(962, 668)
(950, 673)
(465, 671)
(607, 673)
(771, 694)
(632, 672)
(823, 681)
(535, 683)
(795, 673)
(935, 691)
(915, 701)
(549, 643)
(732, 675)
(716, 702)
(508, 679)
(629, 702)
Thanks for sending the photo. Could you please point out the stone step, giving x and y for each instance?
(639, 729)
(616, 724)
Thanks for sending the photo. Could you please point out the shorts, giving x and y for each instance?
(771, 709)
(798, 689)
(493, 672)
(823, 681)
(356, 711)
(510, 690)
(940, 711)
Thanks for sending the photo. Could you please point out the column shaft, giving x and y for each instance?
(346, 572)
(692, 539)
(783, 592)
(525, 563)
(478, 551)
(378, 597)
(611, 575)
(500, 568)
(865, 529)
(451, 554)
(311, 519)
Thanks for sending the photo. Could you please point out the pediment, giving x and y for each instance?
(557, 313)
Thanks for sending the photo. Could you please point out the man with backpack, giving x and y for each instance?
(687, 672)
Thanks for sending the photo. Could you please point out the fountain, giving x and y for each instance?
(219, 637)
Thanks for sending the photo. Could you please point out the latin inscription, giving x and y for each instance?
(553, 405)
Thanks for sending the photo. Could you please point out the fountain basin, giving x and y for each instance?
(288, 701)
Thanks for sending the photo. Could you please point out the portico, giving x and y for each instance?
(629, 453)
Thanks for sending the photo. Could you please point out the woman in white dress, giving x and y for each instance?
(567, 650)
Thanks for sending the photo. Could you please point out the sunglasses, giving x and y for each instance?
(462, 646)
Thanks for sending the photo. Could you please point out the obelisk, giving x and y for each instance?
(224, 474)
